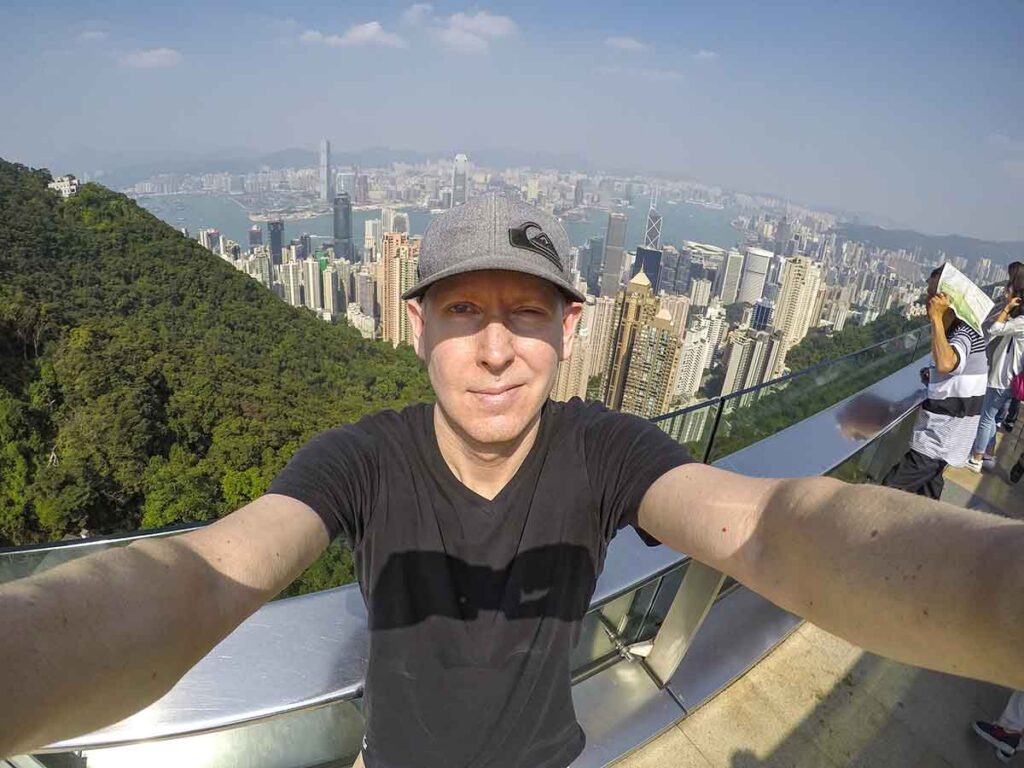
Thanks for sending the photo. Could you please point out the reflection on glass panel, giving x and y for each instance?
(19, 563)
(624, 617)
(668, 585)
(692, 427)
(751, 416)
(871, 463)
(329, 735)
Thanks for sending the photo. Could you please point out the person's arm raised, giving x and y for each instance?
(906, 577)
(93, 641)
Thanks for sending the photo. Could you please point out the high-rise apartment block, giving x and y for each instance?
(399, 258)
(634, 308)
(291, 277)
(255, 236)
(794, 314)
(751, 356)
(312, 284)
(653, 367)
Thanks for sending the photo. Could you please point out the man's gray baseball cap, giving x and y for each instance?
(494, 232)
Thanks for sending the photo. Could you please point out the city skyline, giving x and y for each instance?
(879, 113)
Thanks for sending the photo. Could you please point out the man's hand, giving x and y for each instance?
(937, 306)
(913, 579)
(90, 642)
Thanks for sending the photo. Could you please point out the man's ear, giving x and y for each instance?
(415, 310)
(570, 319)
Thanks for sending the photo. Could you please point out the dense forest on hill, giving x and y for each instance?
(144, 381)
(819, 346)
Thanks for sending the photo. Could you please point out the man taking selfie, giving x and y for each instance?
(479, 525)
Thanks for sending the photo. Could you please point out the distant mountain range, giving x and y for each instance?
(931, 245)
(121, 169)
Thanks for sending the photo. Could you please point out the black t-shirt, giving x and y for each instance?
(475, 605)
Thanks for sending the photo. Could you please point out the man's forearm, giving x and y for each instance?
(920, 581)
(94, 641)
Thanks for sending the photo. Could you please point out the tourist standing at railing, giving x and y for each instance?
(1006, 358)
(948, 419)
(479, 525)
(1007, 417)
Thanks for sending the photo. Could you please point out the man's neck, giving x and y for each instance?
(484, 468)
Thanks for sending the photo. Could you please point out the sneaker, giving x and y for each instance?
(1016, 471)
(1004, 427)
(1006, 743)
(974, 465)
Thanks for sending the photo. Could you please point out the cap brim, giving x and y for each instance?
(492, 263)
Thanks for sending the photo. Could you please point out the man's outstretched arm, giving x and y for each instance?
(916, 580)
(93, 641)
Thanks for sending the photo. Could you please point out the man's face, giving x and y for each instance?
(492, 341)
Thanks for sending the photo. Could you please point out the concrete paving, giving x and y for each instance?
(817, 701)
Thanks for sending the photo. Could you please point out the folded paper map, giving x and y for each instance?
(966, 299)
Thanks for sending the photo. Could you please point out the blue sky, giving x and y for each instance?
(911, 112)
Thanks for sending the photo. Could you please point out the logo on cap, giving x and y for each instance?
(529, 236)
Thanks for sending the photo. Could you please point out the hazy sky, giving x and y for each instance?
(911, 111)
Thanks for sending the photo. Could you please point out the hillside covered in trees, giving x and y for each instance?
(143, 380)
(819, 346)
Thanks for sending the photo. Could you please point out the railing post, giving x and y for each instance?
(714, 431)
(694, 598)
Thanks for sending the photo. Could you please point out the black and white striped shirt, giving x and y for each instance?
(948, 420)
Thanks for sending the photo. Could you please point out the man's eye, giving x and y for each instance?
(532, 311)
(460, 309)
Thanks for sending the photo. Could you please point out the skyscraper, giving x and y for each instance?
(700, 294)
(333, 299)
(343, 227)
(571, 379)
(797, 301)
(693, 363)
(577, 193)
(602, 327)
(614, 254)
(276, 230)
(652, 235)
(459, 173)
(399, 257)
(750, 359)
(312, 284)
(291, 277)
(326, 174)
(755, 271)
(649, 260)
(362, 189)
(764, 312)
(653, 367)
(634, 307)
(372, 233)
(727, 285)
(255, 236)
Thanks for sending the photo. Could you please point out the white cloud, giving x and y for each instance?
(154, 58)
(418, 13)
(370, 33)
(705, 55)
(625, 44)
(483, 24)
(655, 75)
(88, 35)
(472, 33)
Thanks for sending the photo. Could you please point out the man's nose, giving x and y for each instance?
(497, 350)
